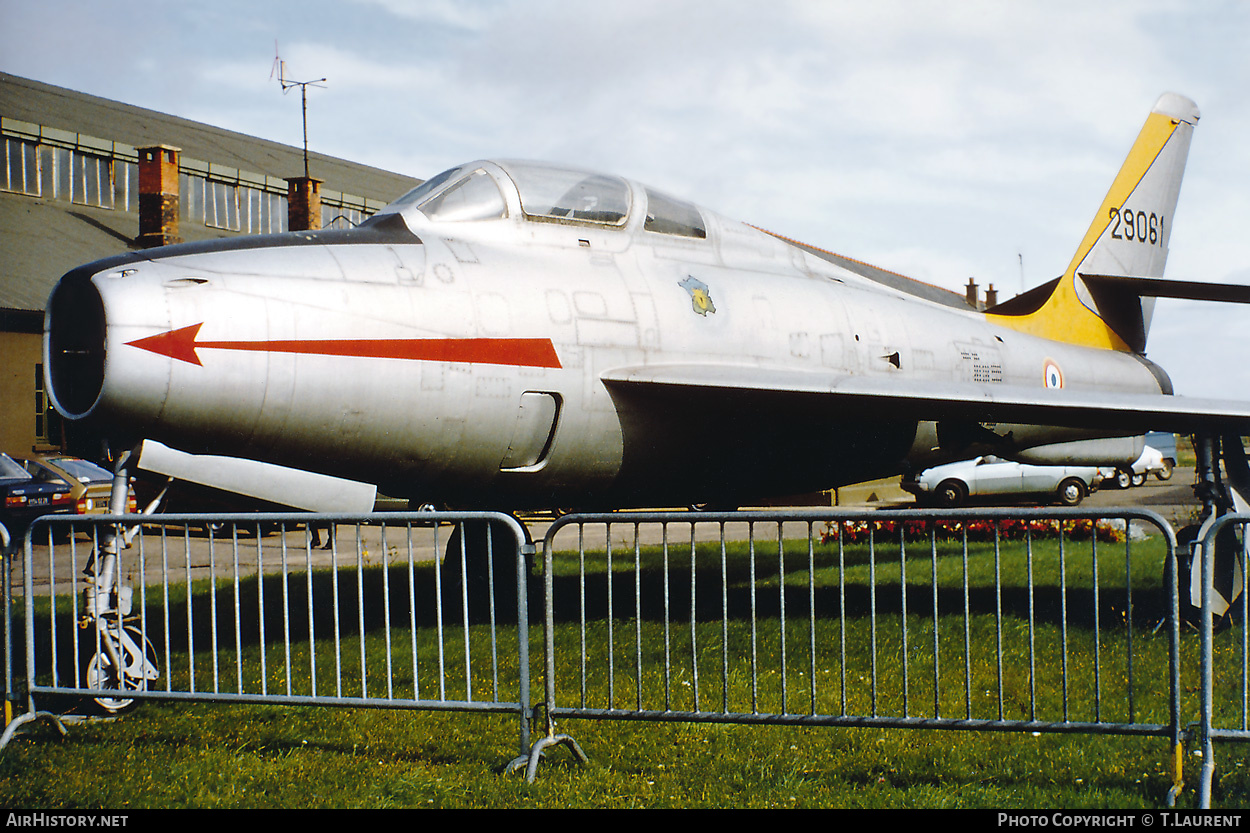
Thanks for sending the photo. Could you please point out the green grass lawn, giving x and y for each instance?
(202, 756)
(167, 754)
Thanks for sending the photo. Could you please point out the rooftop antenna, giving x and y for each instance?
(279, 68)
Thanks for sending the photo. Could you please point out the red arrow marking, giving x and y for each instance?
(515, 352)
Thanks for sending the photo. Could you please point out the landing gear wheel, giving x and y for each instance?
(950, 493)
(1123, 478)
(1166, 472)
(102, 673)
(1139, 479)
(219, 530)
(1071, 492)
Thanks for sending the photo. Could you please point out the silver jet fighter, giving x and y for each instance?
(514, 334)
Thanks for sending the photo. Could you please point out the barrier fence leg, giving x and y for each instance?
(549, 739)
(12, 723)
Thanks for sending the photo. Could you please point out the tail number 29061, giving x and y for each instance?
(1138, 226)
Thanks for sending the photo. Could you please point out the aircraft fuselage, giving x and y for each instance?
(464, 361)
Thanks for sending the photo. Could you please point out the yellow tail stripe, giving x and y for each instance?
(1150, 142)
(1064, 317)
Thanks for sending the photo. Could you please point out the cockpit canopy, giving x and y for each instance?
(547, 193)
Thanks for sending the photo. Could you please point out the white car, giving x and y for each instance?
(954, 483)
(1150, 462)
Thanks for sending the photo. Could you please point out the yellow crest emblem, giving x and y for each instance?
(700, 295)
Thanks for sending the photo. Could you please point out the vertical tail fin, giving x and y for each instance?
(1128, 237)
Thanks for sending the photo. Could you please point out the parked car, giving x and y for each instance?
(89, 485)
(1165, 443)
(26, 498)
(985, 477)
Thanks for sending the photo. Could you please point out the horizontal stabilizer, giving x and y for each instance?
(859, 397)
(1161, 288)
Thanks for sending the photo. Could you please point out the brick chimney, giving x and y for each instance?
(303, 203)
(158, 196)
(972, 294)
(991, 297)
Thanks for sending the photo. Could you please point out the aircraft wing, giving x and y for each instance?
(884, 398)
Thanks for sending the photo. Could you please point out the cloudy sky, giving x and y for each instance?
(943, 140)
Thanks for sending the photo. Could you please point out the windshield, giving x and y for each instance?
(564, 194)
(10, 470)
(428, 187)
(473, 196)
(81, 470)
(476, 197)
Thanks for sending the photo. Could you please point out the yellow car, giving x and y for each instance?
(89, 484)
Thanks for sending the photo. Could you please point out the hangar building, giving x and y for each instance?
(85, 178)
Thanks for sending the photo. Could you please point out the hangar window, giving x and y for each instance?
(232, 206)
(93, 180)
(21, 167)
(83, 178)
(672, 216)
(266, 211)
(221, 205)
(565, 195)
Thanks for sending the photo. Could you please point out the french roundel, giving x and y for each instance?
(1052, 375)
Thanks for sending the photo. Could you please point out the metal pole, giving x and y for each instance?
(1204, 445)
(303, 96)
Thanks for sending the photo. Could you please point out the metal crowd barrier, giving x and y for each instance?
(1224, 653)
(1007, 620)
(986, 620)
(251, 608)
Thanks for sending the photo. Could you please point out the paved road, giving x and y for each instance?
(1173, 499)
(197, 555)
(180, 555)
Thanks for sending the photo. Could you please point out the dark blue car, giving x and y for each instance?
(26, 498)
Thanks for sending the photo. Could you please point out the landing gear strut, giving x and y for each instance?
(124, 659)
(1220, 493)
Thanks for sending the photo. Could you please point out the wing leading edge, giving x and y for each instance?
(866, 398)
